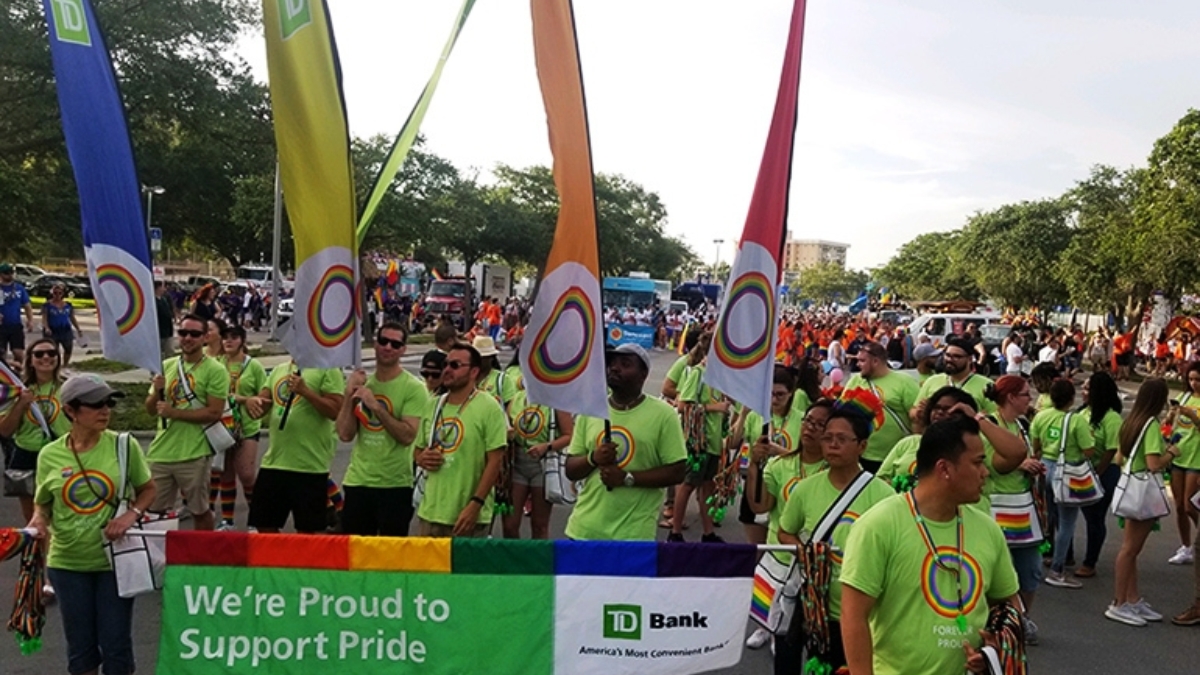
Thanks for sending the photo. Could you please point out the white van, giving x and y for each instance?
(941, 327)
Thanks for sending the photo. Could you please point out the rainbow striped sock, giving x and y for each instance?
(228, 500)
(214, 489)
(334, 494)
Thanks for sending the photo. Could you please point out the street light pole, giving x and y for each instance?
(150, 191)
(717, 257)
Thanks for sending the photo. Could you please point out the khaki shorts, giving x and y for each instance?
(190, 477)
(527, 470)
(428, 529)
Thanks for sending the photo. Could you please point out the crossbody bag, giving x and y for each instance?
(1075, 483)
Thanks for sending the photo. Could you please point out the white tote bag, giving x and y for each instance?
(1075, 484)
(139, 562)
(1140, 495)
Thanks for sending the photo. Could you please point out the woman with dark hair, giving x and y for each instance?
(899, 468)
(1060, 437)
(214, 345)
(808, 385)
(842, 444)
(1102, 404)
(1185, 472)
(1143, 447)
(58, 321)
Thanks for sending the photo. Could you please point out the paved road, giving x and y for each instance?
(1076, 638)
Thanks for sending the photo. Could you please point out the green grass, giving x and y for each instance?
(98, 364)
(130, 413)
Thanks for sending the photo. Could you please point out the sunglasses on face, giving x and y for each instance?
(107, 403)
(429, 375)
(455, 365)
(43, 353)
(388, 342)
(183, 332)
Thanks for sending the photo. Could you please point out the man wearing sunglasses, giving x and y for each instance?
(188, 396)
(381, 414)
(469, 435)
(960, 373)
(897, 392)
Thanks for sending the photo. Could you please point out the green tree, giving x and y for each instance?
(1011, 253)
(928, 268)
(1167, 210)
(830, 282)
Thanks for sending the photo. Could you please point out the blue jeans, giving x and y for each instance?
(97, 622)
(1067, 516)
(1096, 516)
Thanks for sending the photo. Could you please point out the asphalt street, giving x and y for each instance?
(1075, 636)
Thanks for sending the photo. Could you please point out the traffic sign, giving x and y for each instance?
(156, 239)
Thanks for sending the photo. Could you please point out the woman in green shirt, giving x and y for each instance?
(246, 378)
(1142, 445)
(41, 377)
(1102, 405)
(1185, 473)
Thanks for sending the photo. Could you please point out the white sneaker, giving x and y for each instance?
(758, 638)
(1124, 614)
(1184, 556)
(1144, 610)
(1061, 580)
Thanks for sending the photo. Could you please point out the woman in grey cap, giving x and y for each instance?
(76, 500)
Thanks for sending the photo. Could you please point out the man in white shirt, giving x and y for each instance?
(1049, 353)
(1014, 356)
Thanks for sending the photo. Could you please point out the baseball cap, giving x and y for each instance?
(87, 389)
(6, 268)
(630, 348)
(433, 361)
(926, 351)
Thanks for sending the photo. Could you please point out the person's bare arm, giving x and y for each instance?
(856, 631)
(211, 412)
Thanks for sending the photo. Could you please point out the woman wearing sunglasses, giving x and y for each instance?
(58, 321)
(21, 424)
(247, 377)
(78, 491)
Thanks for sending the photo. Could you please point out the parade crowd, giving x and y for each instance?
(921, 507)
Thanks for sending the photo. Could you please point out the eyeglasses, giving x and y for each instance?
(107, 403)
(455, 365)
(394, 344)
(43, 353)
(814, 423)
(183, 332)
(430, 374)
(779, 394)
(838, 439)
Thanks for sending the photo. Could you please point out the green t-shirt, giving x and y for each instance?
(1108, 434)
(1047, 427)
(530, 422)
(647, 437)
(1043, 403)
(1189, 438)
(1016, 481)
(1152, 444)
(975, 385)
(307, 443)
(902, 460)
(184, 441)
(810, 500)
(82, 494)
(464, 434)
(913, 621)
(503, 389)
(693, 390)
(29, 435)
(898, 392)
(246, 380)
(781, 475)
(785, 431)
(801, 403)
(379, 460)
(676, 370)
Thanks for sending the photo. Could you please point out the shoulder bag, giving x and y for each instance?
(1140, 495)
(1017, 514)
(1074, 483)
(138, 561)
(222, 434)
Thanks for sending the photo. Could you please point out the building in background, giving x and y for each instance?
(802, 254)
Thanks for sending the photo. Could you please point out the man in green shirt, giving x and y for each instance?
(897, 392)
(624, 474)
(920, 571)
(381, 414)
(295, 470)
(463, 460)
(188, 396)
(960, 373)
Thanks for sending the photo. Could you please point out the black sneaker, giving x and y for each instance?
(712, 538)
(675, 536)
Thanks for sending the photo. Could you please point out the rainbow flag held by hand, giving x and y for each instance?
(740, 360)
(312, 136)
(115, 241)
(562, 355)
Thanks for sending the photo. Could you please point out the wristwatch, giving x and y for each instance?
(628, 479)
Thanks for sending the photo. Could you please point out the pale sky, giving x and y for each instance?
(913, 113)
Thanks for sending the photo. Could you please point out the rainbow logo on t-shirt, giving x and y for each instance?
(626, 446)
(783, 439)
(84, 499)
(531, 422)
(789, 486)
(848, 518)
(940, 587)
(449, 435)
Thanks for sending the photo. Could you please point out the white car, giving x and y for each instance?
(287, 308)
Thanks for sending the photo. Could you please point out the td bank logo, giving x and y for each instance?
(70, 23)
(623, 622)
(294, 15)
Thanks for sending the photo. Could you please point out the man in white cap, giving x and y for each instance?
(492, 378)
(625, 473)
(926, 356)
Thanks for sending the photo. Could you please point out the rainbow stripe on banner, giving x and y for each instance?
(250, 603)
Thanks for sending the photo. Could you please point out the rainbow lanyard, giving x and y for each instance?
(927, 537)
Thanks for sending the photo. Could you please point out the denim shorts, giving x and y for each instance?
(97, 622)
(1027, 560)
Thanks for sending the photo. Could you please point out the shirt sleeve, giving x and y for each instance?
(216, 382)
(139, 471)
(867, 552)
(671, 448)
(909, 393)
(1153, 443)
(1111, 424)
(334, 382)
(496, 428)
(579, 439)
(1083, 432)
(792, 519)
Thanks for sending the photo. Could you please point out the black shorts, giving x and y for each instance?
(279, 493)
(746, 515)
(707, 471)
(1125, 359)
(371, 511)
(11, 337)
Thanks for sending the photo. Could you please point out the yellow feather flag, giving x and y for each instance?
(313, 140)
(562, 355)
